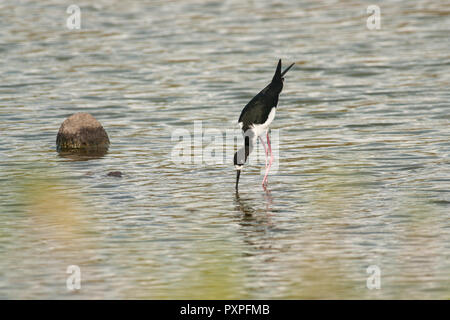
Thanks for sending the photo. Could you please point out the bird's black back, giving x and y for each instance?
(258, 109)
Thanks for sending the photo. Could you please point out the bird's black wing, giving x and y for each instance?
(258, 109)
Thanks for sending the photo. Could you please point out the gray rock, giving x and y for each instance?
(82, 133)
(117, 174)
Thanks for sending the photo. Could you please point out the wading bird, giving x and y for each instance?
(255, 119)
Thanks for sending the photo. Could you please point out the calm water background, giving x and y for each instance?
(363, 174)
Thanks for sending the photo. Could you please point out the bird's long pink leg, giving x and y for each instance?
(265, 148)
(264, 182)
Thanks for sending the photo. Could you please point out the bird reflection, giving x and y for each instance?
(244, 206)
(249, 212)
(255, 224)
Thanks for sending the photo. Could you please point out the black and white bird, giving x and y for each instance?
(255, 120)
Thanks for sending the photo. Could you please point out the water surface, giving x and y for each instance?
(363, 169)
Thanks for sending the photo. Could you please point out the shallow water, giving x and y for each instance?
(362, 161)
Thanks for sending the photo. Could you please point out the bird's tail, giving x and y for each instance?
(287, 69)
(278, 74)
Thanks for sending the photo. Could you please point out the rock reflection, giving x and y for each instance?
(83, 155)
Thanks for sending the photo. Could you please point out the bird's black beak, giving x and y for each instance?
(287, 69)
(238, 174)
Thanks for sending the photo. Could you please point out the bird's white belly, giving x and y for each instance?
(262, 128)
